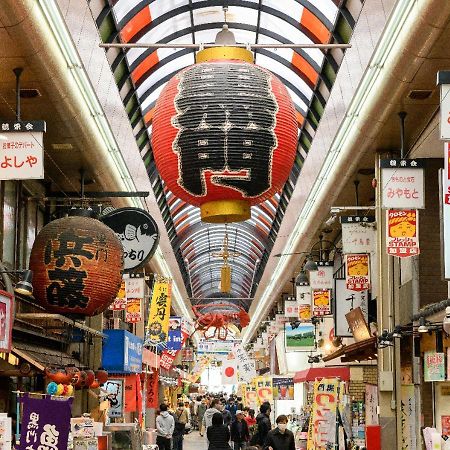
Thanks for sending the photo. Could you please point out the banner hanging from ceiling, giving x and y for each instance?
(358, 234)
(158, 320)
(357, 272)
(402, 232)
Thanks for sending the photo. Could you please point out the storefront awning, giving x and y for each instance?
(322, 372)
(359, 351)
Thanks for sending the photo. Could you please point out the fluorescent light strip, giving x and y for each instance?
(387, 41)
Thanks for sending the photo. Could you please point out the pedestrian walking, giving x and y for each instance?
(263, 424)
(218, 434)
(280, 438)
(201, 408)
(239, 431)
(165, 426)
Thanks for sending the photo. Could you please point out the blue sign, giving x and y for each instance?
(174, 338)
(122, 352)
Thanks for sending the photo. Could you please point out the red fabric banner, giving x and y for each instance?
(152, 390)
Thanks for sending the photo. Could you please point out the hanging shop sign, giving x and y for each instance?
(402, 232)
(22, 150)
(321, 302)
(299, 337)
(291, 308)
(134, 285)
(244, 150)
(283, 388)
(138, 233)
(158, 320)
(408, 417)
(322, 278)
(358, 325)
(272, 328)
(152, 390)
(345, 301)
(6, 321)
(216, 346)
(358, 234)
(115, 394)
(445, 424)
(251, 397)
(434, 366)
(264, 389)
(322, 424)
(130, 392)
(443, 80)
(77, 266)
(357, 272)
(446, 210)
(133, 310)
(45, 423)
(281, 319)
(303, 294)
(246, 365)
(174, 341)
(120, 303)
(402, 184)
(122, 352)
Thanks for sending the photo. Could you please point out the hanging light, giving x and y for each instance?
(397, 333)
(446, 321)
(422, 326)
(302, 279)
(24, 287)
(311, 265)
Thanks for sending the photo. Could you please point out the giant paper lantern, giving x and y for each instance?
(77, 264)
(224, 134)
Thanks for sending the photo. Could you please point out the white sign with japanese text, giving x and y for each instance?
(322, 278)
(358, 234)
(291, 309)
(402, 184)
(246, 365)
(444, 123)
(446, 210)
(134, 287)
(345, 301)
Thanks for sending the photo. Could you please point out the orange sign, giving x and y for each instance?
(357, 273)
(321, 302)
(264, 390)
(402, 238)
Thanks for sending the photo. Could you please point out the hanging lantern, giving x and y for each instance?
(77, 263)
(224, 134)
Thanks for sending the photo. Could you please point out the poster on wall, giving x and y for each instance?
(283, 388)
(6, 321)
(434, 366)
(115, 394)
(357, 272)
(345, 301)
(322, 278)
(402, 232)
(299, 337)
(321, 302)
(358, 234)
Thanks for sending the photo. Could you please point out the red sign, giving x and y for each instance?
(357, 272)
(6, 321)
(402, 238)
(152, 390)
(168, 356)
(130, 393)
(445, 421)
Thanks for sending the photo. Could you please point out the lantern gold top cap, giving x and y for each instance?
(226, 52)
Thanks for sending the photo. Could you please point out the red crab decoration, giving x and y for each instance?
(219, 321)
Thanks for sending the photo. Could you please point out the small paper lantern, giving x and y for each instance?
(77, 264)
(52, 388)
(224, 134)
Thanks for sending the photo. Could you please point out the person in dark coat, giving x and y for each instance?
(218, 434)
(263, 424)
(280, 438)
(240, 434)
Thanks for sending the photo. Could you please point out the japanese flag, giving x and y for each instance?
(229, 372)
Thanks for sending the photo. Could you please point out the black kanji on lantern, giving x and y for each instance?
(226, 120)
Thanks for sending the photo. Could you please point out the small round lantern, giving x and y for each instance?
(77, 264)
(224, 134)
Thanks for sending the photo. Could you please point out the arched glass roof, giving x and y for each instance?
(308, 74)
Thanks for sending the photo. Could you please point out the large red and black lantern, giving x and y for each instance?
(224, 134)
(77, 264)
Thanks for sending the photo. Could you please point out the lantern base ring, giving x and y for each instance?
(225, 211)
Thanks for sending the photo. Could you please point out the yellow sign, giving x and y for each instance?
(158, 319)
(264, 389)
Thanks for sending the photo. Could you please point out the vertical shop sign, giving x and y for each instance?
(130, 394)
(133, 313)
(134, 285)
(402, 184)
(291, 308)
(322, 278)
(22, 150)
(45, 423)
(251, 398)
(152, 390)
(322, 424)
(358, 234)
(264, 390)
(344, 302)
(408, 420)
(321, 302)
(174, 341)
(434, 366)
(357, 272)
(246, 365)
(446, 210)
(303, 294)
(120, 303)
(168, 356)
(6, 321)
(445, 423)
(115, 395)
(402, 232)
(158, 320)
(443, 79)
(371, 401)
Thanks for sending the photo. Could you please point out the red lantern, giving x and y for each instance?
(102, 376)
(77, 264)
(224, 134)
(90, 377)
